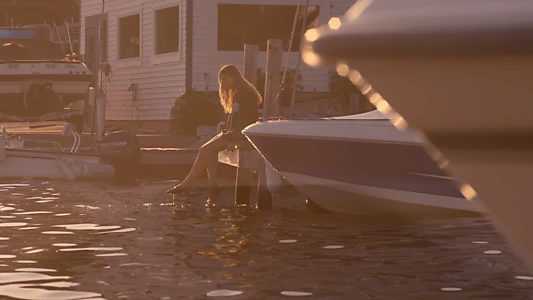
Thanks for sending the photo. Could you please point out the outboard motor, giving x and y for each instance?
(122, 150)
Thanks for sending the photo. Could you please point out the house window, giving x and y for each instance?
(167, 30)
(240, 24)
(129, 37)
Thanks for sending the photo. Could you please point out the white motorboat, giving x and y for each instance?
(40, 76)
(358, 164)
(117, 156)
(460, 73)
(36, 77)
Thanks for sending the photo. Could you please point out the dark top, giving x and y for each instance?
(245, 112)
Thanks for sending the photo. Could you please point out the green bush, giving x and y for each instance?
(193, 109)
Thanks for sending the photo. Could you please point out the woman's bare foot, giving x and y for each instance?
(180, 188)
(213, 194)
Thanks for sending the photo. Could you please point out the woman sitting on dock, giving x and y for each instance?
(241, 101)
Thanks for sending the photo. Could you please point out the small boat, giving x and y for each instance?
(116, 157)
(358, 164)
(459, 72)
(36, 77)
(39, 75)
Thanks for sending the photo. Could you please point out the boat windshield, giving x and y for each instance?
(29, 49)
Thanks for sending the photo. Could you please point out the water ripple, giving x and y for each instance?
(100, 238)
(33, 213)
(111, 254)
(13, 185)
(91, 249)
(86, 226)
(16, 277)
(223, 293)
(13, 224)
(64, 245)
(34, 270)
(31, 292)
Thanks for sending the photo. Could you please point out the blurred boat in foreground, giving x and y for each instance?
(460, 73)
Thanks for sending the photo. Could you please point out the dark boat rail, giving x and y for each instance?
(428, 29)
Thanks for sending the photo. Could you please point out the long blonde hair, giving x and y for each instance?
(227, 96)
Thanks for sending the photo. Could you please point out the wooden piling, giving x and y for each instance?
(251, 53)
(100, 117)
(271, 101)
(244, 177)
(271, 107)
(243, 186)
(264, 196)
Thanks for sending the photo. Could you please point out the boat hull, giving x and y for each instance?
(358, 166)
(461, 79)
(29, 164)
(488, 143)
(357, 199)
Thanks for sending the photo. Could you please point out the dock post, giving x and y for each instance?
(243, 186)
(100, 117)
(264, 196)
(244, 177)
(271, 108)
(91, 96)
(271, 101)
(251, 53)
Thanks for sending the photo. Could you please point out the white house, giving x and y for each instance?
(165, 47)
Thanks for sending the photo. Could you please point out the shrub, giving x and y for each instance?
(193, 109)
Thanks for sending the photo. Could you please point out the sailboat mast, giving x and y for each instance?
(297, 71)
(97, 84)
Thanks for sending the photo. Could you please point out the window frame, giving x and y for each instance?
(171, 57)
(324, 16)
(132, 61)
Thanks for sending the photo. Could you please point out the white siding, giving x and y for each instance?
(160, 79)
(207, 60)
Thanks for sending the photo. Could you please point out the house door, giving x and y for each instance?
(91, 50)
(95, 52)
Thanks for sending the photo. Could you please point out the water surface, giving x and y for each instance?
(61, 240)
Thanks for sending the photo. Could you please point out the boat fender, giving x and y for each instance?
(273, 179)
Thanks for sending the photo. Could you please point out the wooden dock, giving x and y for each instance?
(250, 173)
(250, 165)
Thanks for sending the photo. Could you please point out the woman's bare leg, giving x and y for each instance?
(212, 170)
(205, 156)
